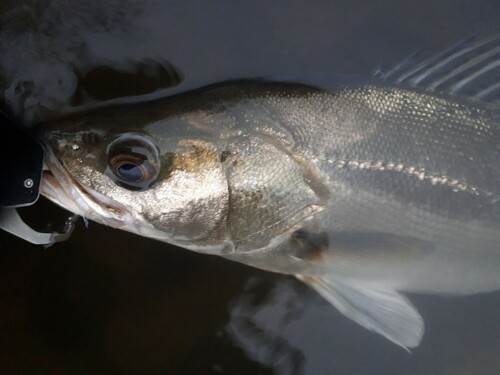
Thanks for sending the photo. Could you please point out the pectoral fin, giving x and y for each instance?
(360, 248)
(359, 274)
(384, 311)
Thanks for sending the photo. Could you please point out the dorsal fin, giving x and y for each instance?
(470, 69)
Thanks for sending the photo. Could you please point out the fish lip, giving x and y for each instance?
(59, 187)
(51, 188)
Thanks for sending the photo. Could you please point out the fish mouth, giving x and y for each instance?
(60, 188)
(52, 189)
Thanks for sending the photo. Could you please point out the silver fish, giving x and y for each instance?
(363, 193)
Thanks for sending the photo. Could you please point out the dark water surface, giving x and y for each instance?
(110, 302)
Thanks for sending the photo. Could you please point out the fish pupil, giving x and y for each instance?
(133, 162)
(130, 172)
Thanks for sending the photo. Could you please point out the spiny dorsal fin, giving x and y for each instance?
(470, 69)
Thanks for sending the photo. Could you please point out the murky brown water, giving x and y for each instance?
(111, 302)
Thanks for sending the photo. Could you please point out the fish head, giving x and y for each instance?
(210, 174)
(157, 185)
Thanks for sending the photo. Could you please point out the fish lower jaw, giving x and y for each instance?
(105, 212)
(51, 188)
(79, 201)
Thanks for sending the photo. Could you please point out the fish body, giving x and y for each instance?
(361, 193)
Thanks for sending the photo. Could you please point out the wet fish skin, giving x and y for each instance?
(361, 193)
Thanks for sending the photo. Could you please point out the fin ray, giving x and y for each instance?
(468, 65)
(460, 84)
(339, 263)
(486, 92)
(443, 56)
(466, 69)
(383, 311)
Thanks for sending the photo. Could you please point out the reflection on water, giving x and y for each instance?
(284, 325)
(46, 46)
(105, 83)
(59, 54)
(108, 301)
(260, 316)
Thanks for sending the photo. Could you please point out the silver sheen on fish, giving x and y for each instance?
(363, 193)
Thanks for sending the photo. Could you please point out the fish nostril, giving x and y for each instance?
(57, 142)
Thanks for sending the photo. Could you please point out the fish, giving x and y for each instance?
(364, 193)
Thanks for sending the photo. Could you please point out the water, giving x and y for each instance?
(110, 302)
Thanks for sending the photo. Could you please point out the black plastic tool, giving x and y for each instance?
(20, 175)
(22, 162)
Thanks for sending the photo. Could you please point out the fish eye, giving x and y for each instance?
(133, 162)
(132, 167)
